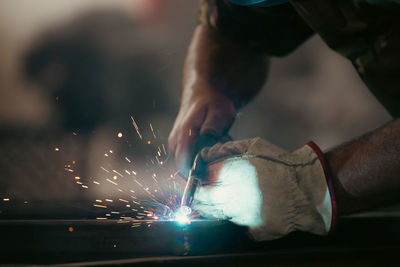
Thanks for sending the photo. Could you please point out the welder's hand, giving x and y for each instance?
(272, 191)
(203, 113)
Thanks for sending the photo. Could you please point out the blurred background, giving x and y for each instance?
(73, 72)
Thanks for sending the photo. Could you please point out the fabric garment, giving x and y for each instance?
(266, 188)
(365, 32)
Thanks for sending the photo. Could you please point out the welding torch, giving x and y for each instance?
(195, 174)
(198, 169)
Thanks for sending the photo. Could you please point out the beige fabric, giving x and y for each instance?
(290, 190)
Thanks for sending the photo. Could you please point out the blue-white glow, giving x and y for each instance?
(182, 215)
(325, 209)
(236, 196)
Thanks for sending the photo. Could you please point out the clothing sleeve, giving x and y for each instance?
(274, 30)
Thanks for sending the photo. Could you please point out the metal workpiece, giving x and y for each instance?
(62, 241)
(357, 240)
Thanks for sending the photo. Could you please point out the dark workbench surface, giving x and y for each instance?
(367, 240)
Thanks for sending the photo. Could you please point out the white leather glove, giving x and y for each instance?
(272, 191)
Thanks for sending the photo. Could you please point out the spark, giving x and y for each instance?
(136, 127)
(136, 181)
(114, 183)
(101, 218)
(100, 206)
(154, 135)
(56, 149)
(159, 202)
(104, 169)
(6, 199)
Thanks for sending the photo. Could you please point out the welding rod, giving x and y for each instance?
(192, 182)
(198, 169)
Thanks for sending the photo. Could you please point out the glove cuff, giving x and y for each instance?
(329, 182)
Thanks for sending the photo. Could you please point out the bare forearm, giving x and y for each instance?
(366, 172)
(218, 64)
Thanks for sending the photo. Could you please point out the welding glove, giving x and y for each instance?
(272, 191)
